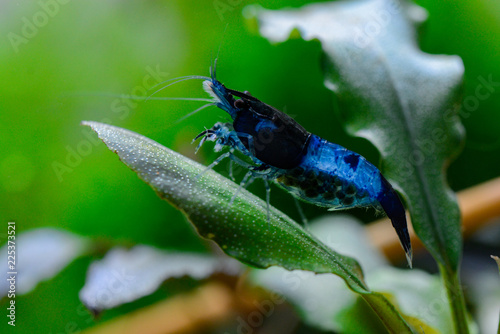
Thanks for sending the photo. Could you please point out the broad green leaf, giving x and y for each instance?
(394, 95)
(241, 229)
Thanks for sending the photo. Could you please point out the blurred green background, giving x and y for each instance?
(53, 172)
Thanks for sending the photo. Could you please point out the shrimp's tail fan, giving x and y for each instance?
(393, 207)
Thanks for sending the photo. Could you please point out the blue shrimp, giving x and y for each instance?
(309, 167)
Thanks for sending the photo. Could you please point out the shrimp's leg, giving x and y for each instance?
(213, 164)
(257, 171)
(268, 199)
(231, 169)
(242, 147)
(247, 180)
(241, 162)
(301, 212)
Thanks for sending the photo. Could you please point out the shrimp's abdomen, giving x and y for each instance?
(330, 175)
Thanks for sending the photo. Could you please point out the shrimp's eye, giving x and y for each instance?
(239, 104)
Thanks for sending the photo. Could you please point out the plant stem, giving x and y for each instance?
(456, 299)
(387, 313)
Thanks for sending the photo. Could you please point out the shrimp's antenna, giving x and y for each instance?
(213, 71)
(222, 40)
(183, 77)
(150, 97)
(167, 98)
(135, 97)
(213, 66)
(195, 111)
(214, 74)
(180, 80)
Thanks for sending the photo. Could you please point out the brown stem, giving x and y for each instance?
(185, 313)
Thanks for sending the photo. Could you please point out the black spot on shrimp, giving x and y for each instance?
(352, 160)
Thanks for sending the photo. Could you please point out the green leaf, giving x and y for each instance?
(241, 229)
(394, 95)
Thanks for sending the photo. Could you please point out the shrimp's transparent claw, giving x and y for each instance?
(247, 180)
(203, 133)
(213, 164)
(208, 134)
